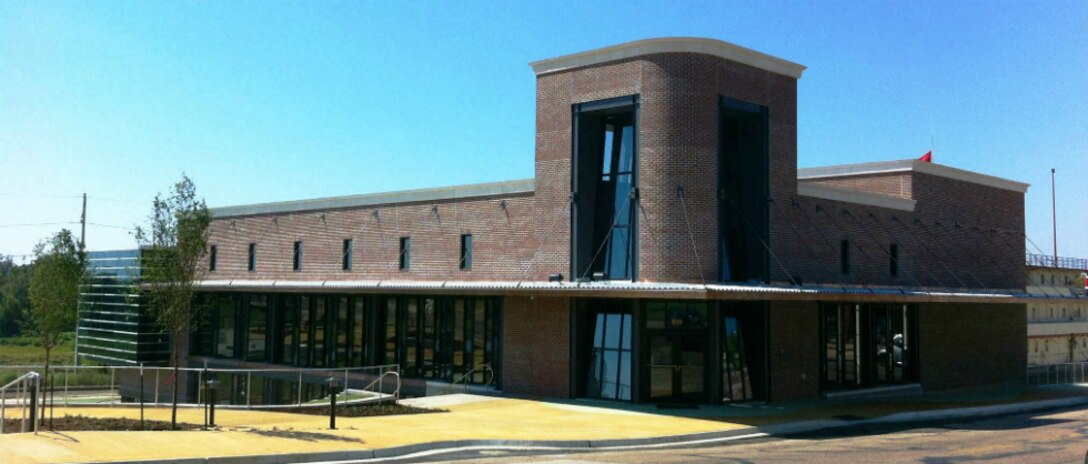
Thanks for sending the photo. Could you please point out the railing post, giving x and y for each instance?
(200, 385)
(3, 408)
(113, 375)
(249, 387)
(345, 381)
(300, 387)
(157, 387)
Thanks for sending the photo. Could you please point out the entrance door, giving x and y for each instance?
(677, 367)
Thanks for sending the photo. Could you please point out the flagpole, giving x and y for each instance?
(1054, 214)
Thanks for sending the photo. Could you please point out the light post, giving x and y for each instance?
(334, 388)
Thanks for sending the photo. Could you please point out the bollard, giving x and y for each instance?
(334, 388)
(141, 396)
(34, 406)
(213, 386)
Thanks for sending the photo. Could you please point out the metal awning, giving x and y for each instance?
(658, 290)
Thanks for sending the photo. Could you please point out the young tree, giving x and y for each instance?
(174, 244)
(14, 296)
(54, 291)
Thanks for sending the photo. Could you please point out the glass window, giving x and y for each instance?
(297, 263)
(392, 334)
(743, 159)
(320, 325)
(346, 255)
(226, 315)
(605, 191)
(252, 256)
(410, 363)
(610, 362)
(289, 318)
(213, 255)
(342, 330)
(844, 257)
(466, 251)
(305, 328)
(256, 338)
(428, 339)
(358, 333)
(405, 252)
(894, 264)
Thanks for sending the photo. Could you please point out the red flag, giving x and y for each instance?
(928, 157)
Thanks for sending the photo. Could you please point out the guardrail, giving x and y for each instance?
(235, 387)
(489, 374)
(1057, 374)
(1060, 262)
(24, 392)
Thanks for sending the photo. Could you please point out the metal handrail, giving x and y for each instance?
(22, 383)
(380, 380)
(111, 393)
(467, 375)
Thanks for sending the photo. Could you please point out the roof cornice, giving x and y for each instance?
(513, 187)
(711, 47)
(910, 165)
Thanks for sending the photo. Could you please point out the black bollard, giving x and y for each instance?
(333, 390)
(34, 407)
(213, 386)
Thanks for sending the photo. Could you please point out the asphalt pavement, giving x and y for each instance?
(1037, 438)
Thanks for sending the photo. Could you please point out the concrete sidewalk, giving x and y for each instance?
(254, 437)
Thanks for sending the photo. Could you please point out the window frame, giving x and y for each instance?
(252, 259)
(213, 257)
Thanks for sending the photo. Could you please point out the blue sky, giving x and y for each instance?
(270, 101)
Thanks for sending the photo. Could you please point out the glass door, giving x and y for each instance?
(677, 367)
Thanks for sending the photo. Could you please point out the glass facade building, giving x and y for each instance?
(114, 326)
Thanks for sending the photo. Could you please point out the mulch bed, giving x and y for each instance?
(83, 423)
(369, 410)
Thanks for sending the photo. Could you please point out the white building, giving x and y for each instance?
(1058, 328)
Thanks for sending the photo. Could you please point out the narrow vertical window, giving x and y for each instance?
(346, 265)
(844, 257)
(405, 252)
(297, 265)
(466, 251)
(894, 263)
(213, 253)
(252, 256)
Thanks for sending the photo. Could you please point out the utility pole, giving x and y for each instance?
(1054, 214)
(83, 226)
(82, 248)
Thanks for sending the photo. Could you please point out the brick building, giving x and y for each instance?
(668, 249)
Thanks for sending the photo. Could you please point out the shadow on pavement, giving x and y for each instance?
(312, 437)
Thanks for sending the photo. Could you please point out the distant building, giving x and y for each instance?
(1057, 326)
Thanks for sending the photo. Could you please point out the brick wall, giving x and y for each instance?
(794, 350)
(502, 242)
(896, 184)
(677, 147)
(536, 346)
(971, 345)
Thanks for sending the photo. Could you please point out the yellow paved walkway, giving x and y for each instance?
(252, 432)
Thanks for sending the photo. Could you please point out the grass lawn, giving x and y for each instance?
(22, 351)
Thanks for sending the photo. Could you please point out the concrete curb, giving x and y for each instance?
(785, 429)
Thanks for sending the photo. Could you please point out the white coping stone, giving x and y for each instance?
(372, 199)
(909, 165)
(855, 196)
(713, 47)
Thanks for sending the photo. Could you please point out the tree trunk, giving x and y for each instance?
(42, 394)
(174, 400)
